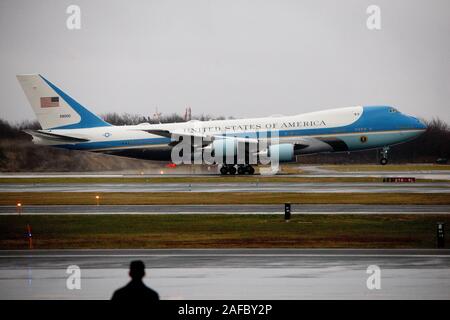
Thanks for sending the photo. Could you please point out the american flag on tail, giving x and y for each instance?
(49, 102)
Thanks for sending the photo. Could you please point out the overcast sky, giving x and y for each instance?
(234, 58)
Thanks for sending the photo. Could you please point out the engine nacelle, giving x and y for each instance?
(284, 152)
(224, 147)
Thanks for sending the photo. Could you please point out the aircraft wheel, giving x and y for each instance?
(223, 170)
(383, 161)
(241, 170)
(232, 170)
(250, 170)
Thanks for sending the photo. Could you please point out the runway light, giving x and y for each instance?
(161, 172)
(30, 238)
(97, 197)
(19, 207)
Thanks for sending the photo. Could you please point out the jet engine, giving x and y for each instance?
(285, 152)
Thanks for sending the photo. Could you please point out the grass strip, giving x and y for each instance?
(221, 231)
(175, 198)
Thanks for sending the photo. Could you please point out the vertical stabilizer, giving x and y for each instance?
(54, 108)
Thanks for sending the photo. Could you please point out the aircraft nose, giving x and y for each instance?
(418, 124)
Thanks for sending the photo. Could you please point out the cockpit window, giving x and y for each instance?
(393, 110)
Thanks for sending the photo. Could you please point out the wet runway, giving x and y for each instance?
(318, 171)
(230, 273)
(228, 209)
(314, 187)
(309, 171)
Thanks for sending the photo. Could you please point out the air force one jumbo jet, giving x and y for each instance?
(67, 124)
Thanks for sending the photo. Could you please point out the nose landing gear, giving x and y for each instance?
(384, 156)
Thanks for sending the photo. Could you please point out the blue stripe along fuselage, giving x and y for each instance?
(373, 119)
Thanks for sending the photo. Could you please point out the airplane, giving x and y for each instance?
(67, 124)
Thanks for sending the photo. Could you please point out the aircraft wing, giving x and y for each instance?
(206, 139)
(304, 145)
(177, 137)
(176, 134)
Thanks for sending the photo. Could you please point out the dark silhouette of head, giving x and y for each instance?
(137, 270)
(136, 290)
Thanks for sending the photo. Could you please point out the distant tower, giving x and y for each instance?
(187, 114)
(157, 115)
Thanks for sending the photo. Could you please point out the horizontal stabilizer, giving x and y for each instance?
(54, 137)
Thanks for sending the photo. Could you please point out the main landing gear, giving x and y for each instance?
(384, 156)
(241, 169)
